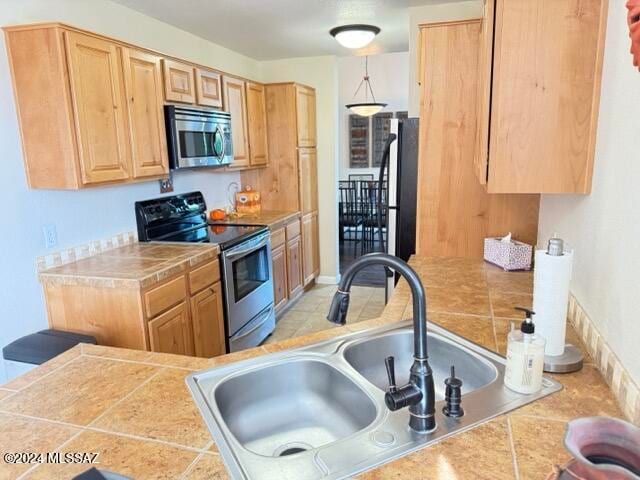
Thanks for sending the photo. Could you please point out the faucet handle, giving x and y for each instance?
(391, 373)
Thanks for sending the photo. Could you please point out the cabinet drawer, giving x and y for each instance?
(293, 229)
(165, 296)
(277, 238)
(204, 276)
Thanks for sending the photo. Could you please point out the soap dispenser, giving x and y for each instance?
(525, 357)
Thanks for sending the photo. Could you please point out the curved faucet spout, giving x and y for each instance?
(340, 304)
(419, 393)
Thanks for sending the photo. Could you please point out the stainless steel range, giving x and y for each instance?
(245, 258)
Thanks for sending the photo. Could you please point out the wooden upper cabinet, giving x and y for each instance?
(99, 107)
(235, 103)
(308, 181)
(545, 89)
(208, 88)
(208, 322)
(172, 331)
(306, 116)
(485, 66)
(143, 85)
(311, 260)
(179, 82)
(257, 124)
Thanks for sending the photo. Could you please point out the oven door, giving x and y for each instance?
(199, 143)
(247, 281)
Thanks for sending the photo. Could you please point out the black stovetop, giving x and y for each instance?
(183, 218)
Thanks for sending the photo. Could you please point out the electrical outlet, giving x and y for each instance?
(166, 184)
(50, 235)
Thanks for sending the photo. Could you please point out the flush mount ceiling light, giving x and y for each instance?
(354, 36)
(366, 108)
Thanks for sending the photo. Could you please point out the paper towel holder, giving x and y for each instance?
(571, 359)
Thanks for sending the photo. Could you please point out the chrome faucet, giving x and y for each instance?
(419, 393)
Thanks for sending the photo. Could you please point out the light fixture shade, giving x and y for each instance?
(366, 109)
(354, 36)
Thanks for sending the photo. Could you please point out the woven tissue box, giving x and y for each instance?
(511, 255)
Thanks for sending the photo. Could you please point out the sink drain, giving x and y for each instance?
(291, 449)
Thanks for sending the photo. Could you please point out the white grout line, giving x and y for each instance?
(131, 436)
(191, 466)
(45, 375)
(514, 457)
(57, 449)
(112, 407)
(143, 362)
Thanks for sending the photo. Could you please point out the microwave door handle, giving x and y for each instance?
(224, 144)
(262, 321)
(213, 143)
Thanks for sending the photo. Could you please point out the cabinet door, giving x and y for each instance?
(208, 88)
(143, 85)
(485, 66)
(544, 101)
(208, 322)
(179, 84)
(311, 263)
(308, 179)
(100, 118)
(171, 332)
(294, 266)
(257, 120)
(306, 116)
(235, 103)
(279, 262)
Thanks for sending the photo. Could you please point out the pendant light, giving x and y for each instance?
(366, 108)
(354, 36)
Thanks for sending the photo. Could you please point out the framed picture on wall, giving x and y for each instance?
(381, 125)
(402, 115)
(358, 141)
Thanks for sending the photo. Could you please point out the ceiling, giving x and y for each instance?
(272, 29)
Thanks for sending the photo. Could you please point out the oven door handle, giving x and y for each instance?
(259, 324)
(251, 246)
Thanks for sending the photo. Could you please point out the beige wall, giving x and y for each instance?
(441, 12)
(604, 227)
(322, 74)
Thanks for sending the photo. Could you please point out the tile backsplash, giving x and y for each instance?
(69, 255)
(626, 391)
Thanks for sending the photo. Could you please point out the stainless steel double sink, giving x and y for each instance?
(318, 411)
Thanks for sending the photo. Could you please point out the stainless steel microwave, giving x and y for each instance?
(198, 137)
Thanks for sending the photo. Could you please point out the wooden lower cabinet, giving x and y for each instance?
(182, 315)
(172, 332)
(279, 262)
(311, 258)
(207, 316)
(294, 270)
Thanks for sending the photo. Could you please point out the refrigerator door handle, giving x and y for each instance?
(383, 165)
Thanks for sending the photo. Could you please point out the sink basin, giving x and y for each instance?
(291, 407)
(365, 357)
(318, 412)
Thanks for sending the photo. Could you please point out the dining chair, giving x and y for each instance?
(349, 216)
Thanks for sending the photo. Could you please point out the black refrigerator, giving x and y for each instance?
(398, 177)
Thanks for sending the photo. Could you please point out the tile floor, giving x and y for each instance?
(308, 314)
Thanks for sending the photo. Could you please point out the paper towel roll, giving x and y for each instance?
(551, 279)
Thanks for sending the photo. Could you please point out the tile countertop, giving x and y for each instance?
(274, 219)
(137, 265)
(133, 407)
